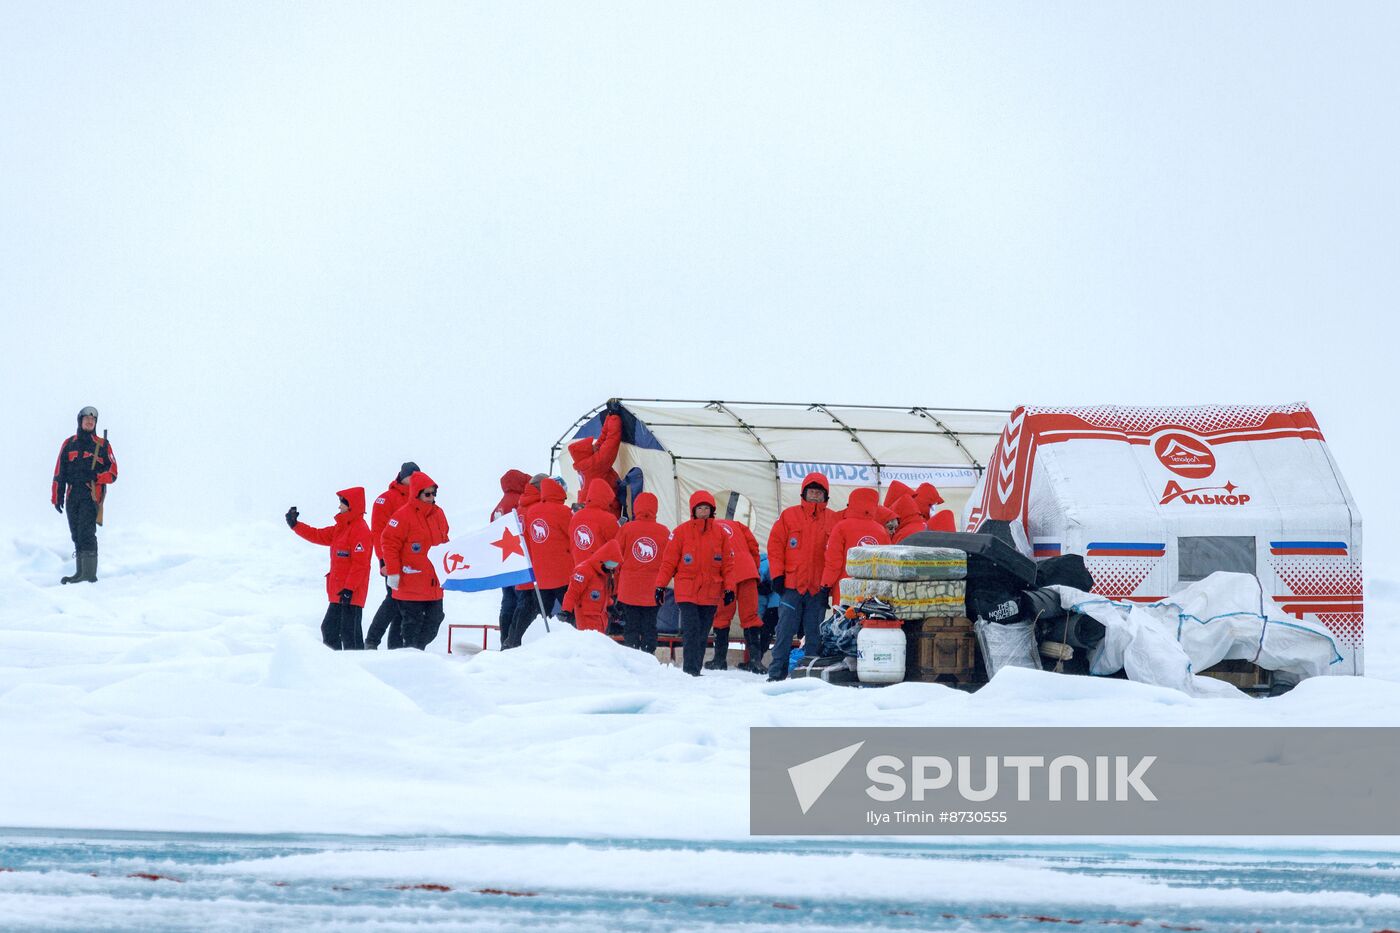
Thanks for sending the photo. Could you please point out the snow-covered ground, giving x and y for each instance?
(188, 691)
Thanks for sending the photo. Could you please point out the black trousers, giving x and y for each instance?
(510, 596)
(340, 629)
(639, 627)
(385, 617)
(420, 621)
(696, 621)
(82, 518)
(770, 625)
(527, 609)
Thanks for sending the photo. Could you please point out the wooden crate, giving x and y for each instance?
(942, 650)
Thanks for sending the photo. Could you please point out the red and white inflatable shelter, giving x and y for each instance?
(1156, 498)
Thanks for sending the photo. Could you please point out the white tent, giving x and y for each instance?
(1156, 498)
(752, 456)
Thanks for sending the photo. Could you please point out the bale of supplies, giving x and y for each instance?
(910, 599)
(902, 563)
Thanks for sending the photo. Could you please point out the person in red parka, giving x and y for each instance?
(547, 533)
(593, 457)
(943, 520)
(796, 554)
(593, 525)
(592, 588)
(347, 582)
(909, 521)
(415, 529)
(888, 519)
(529, 498)
(699, 557)
(896, 492)
(642, 542)
(859, 528)
(386, 617)
(743, 583)
(926, 498)
(513, 483)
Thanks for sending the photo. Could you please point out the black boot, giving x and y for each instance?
(753, 640)
(88, 568)
(77, 574)
(720, 662)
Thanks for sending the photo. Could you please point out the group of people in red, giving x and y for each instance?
(808, 543)
(592, 569)
(405, 524)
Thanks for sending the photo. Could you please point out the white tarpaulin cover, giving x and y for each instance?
(1157, 498)
(1215, 620)
(762, 451)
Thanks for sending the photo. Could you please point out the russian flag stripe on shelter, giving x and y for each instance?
(1309, 548)
(1125, 549)
(486, 559)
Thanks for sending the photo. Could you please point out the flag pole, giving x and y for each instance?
(534, 584)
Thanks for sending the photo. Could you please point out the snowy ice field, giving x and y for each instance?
(187, 692)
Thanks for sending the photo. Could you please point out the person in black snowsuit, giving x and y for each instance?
(85, 467)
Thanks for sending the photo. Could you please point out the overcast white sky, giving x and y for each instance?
(283, 247)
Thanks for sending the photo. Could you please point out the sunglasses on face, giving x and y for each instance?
(427, 495)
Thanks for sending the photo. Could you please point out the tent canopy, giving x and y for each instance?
(758, 452)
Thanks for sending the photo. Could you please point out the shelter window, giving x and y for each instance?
(1199, 557)
(734, 505)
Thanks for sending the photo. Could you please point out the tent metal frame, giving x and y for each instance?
(920, 411)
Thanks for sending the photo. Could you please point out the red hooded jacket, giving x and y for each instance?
(389, 502)
(593, 457)
(547, 525)
(927, 497)
(910, 521)
(592, 588)
(593, 525)
(896, 491)
(797, 543)
(513, 483)
(643, 540)
(415, 529)
(699, 557)
(351, 544)
(858, 528)
(943, 520)
(745, 547)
